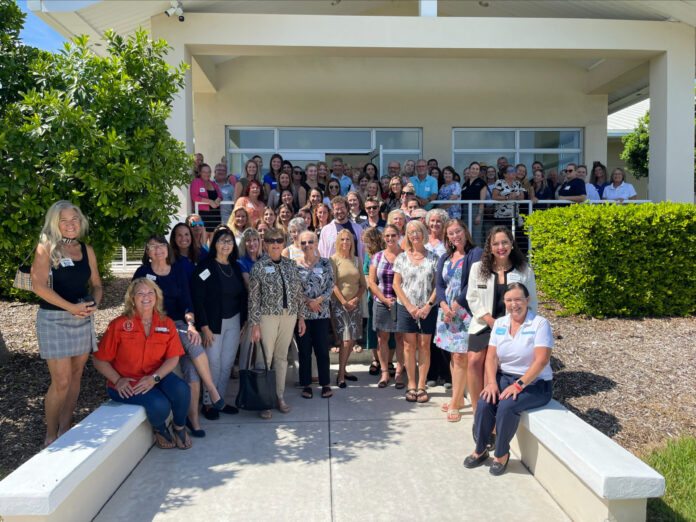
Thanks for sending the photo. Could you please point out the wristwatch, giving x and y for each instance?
(156, 378)
(521, 383)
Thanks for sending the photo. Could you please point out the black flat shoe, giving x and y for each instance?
(210, 413)
(194, 433)
(374, 368)
(497, 468)
(341, 384)
(230, 410)
(352, 378)
(474, 462)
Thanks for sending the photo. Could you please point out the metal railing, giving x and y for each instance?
(527, 207)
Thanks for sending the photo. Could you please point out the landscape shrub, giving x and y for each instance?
(617, 260)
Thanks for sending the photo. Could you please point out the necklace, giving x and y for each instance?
(505, 268)
(220, 265)
(67, 240)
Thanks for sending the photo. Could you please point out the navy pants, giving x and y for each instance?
(505, 415)
(171, 394)
(316, 337)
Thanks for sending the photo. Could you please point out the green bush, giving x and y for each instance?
(92, 130)
(617, 260)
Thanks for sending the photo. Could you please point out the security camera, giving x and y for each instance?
(176, 9)
(170, 11)
(180, 13)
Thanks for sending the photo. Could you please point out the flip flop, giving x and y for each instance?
(411, 395)
(182, 439)
(164, 440)
(454, 416)
(422, 393)
(265, 414)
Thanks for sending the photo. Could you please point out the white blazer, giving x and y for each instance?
(480, 294)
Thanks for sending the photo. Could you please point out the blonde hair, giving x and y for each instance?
(344, 232)
(233, 226)
(421, 228)
(51, 237)
(390, 218)
(129, 301)
(248, 234)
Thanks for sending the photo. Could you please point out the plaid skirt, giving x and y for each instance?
(61, 334)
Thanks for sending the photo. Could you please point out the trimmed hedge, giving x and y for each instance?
(617, 260)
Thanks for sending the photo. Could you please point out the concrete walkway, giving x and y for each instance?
(364, 454)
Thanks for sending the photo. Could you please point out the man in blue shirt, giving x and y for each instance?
(426, 186)
(343, 179)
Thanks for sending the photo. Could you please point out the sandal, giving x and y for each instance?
(283, 407)
(164, 440)
(411, 395)
(398, 381)
(383, 383)
(422, 393)
(350, 377)
(392, 370)
(335, 349)
(446, 407)
(182, 439)
(453, 416)
(265, 414)
(326, 392)
(307, 392)
(374, 368)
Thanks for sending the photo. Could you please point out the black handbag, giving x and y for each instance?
(257, 388)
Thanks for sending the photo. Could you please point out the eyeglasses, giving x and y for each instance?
(196, 224)
(226, 241)
(412, 233)
(155, 247)
(144, 294)
(305, 243)
(278, 240)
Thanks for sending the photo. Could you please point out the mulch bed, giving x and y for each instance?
(630, 378)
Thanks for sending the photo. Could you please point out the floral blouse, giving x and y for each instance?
(317, 281)
(446, 192)
(266, 283)
(417, 281)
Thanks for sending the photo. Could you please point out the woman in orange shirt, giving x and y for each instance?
(252, 201)
(138, 354)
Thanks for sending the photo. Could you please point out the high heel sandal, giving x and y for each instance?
(383, 383)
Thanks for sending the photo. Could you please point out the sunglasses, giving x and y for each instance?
(196, 224)
(305, 243)
(278, 240)
(371, 208)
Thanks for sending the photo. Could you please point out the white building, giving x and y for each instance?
(453, 80)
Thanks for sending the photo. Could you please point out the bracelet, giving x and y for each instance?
(519, 388)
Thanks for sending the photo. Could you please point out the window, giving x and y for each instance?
(554, 148)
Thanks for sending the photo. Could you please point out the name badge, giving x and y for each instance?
(162, 329)
(318, 271)
(66, 261)
(270, 270)
(481, 286)
(427, 189)
(205, 274)
(202, 189)
(529, 332)
(500, 330)
(151, 277)
(514, 278)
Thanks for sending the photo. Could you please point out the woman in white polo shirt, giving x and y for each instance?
(518, 377)
(619, 190)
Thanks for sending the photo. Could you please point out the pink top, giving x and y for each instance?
(199, 192)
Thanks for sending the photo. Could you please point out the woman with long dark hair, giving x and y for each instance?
(270, 180)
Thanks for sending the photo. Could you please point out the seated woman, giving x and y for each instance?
(159, 266)
(148, 381)
(518, 377)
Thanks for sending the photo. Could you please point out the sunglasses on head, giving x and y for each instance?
(197, 224)
(278, 240)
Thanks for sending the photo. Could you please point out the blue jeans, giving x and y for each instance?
(171, 394)
(505, 414)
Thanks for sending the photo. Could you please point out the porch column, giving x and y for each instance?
(672, 124)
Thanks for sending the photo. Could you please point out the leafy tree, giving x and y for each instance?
(636, 151)
(93, 131)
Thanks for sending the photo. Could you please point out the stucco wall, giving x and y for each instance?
(435, 94)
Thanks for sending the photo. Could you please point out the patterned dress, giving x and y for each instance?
(446, 192)
(453, 336)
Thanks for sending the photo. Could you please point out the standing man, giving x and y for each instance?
(426, 186)
(502, 164)
(327, 239)
(227, 189)
(432, 163)
(344, 180)
(394, 168)
(574, 188)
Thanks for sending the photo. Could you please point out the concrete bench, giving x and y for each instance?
(74, 477)
(590, 476)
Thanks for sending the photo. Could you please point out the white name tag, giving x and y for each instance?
(202, 189)
(427, 189)
(162, 329)
(151, 277)
(66, 261)
(270, 270)
(205, 274)
(514, 278)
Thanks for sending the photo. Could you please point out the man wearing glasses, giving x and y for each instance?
(574, 188)
(426, 186)
(394, 168)
(372, 205)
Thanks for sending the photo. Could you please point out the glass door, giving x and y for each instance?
(376, 158)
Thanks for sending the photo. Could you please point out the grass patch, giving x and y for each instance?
(677, 463)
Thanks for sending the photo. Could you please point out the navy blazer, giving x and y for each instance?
(469, 259)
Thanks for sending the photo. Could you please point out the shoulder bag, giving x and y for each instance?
(257, 388)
